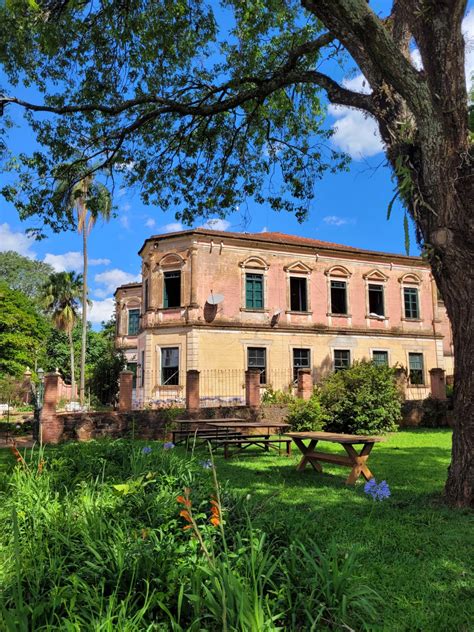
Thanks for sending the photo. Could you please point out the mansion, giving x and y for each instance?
(222, 302)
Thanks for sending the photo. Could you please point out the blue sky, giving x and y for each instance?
(349, 208)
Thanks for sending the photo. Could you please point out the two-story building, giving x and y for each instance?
(222, 302)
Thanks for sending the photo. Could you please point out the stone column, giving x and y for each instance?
(192, 390)
(305, 383)
(252, 388)
(401, 380)
(51, 425)
(194, 277)
(125, 390)
(438, 383)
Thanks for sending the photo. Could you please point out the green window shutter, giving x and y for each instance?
(165, 296)
(254, 291)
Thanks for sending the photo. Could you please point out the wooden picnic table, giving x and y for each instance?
(244, 441)
(356, 460)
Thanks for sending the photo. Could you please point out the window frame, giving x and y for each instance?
(385, 351)
(293, 364)
(301, 280)
(422, 369)
(261, 279)
(263, 372)
(165, 298)
(370, 287)
(341, 368)
(162, 368)
(142, 370)
(346, 298)
(129, 310)
(415, 291)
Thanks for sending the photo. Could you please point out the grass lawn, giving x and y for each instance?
(414, 551)
(417, 553)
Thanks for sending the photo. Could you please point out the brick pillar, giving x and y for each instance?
(125, 390)
(252, 388)
(305, 383)
(192, 390)
(26, 386)
(51, 425)
(438, 383)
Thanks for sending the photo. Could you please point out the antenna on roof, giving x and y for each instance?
(214, 299)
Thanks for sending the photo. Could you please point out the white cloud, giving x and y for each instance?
(174, 227)
(67, 261)
(335, 220)
(150, 222)
(125, 207)
(124, 221)
(264, 229)
(101, 310)
(216, 224)
(111, 279)
(18, 242)
(71, 260)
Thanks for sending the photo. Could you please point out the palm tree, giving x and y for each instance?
(89, 200)
(61, 299)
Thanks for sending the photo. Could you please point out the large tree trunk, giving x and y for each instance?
(73, 371)
(84, 317)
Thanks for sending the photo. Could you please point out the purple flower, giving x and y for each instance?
(207, 465)
(146, 450)
(379, 491)
(169, 445)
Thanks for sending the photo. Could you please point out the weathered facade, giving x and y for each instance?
(224, 302)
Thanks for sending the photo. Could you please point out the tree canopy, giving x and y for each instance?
(24, 274)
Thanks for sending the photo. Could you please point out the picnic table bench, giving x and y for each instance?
(356, 460)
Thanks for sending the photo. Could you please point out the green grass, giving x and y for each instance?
(416, 552)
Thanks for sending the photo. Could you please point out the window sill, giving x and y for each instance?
(416, 385)
(259, 310)
(170, 387)
(170, 309)
(297, 312)
(339, 315)
(412, 320)
(132, 335)
(372, 317)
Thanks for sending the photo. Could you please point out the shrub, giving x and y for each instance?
(305, 414)
(363, 399)
(281, 398)
(435, 413)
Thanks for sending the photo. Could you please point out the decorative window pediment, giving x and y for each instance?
(298, 267)
(133, 302)
(256, 263)
(171, 260)
(375, 275)
(338, 271)
(410, 278)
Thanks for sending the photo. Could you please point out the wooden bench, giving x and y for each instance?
(201, 435)
(356, 460)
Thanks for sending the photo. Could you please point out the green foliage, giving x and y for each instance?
(23, 331)
(363, 399)
(305, 414)
(108, 538)
(24, 274)
(281, 398)
(60, 297)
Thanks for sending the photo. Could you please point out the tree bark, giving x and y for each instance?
(73, 372)
(84, 316)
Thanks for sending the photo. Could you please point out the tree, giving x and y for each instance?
(106, 364)
(199, 109)
(22, 332)
(89, 199)
(61, 300)
(24, 274)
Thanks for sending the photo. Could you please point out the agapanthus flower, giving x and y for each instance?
(207, 465)
(146, 450)
(169, 445)
(377, 491)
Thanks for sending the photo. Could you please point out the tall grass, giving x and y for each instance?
(91, 539)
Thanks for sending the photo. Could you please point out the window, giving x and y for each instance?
(146, 294)
(298, 295)
(342, 359)
(410, 295)
(380, 358)
(376, 300)
(142, 374)
(415, 361)
(254, 291)
(132, 366)
(172, 289)
(133, 321)
(257, 359)
(170, 366)
(338, 297)
(301, 360)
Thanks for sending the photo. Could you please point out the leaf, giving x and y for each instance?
(390, 206)
(123, 488)
(407, 234)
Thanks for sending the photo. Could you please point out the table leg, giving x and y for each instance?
(359, 462)
(306, 459)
